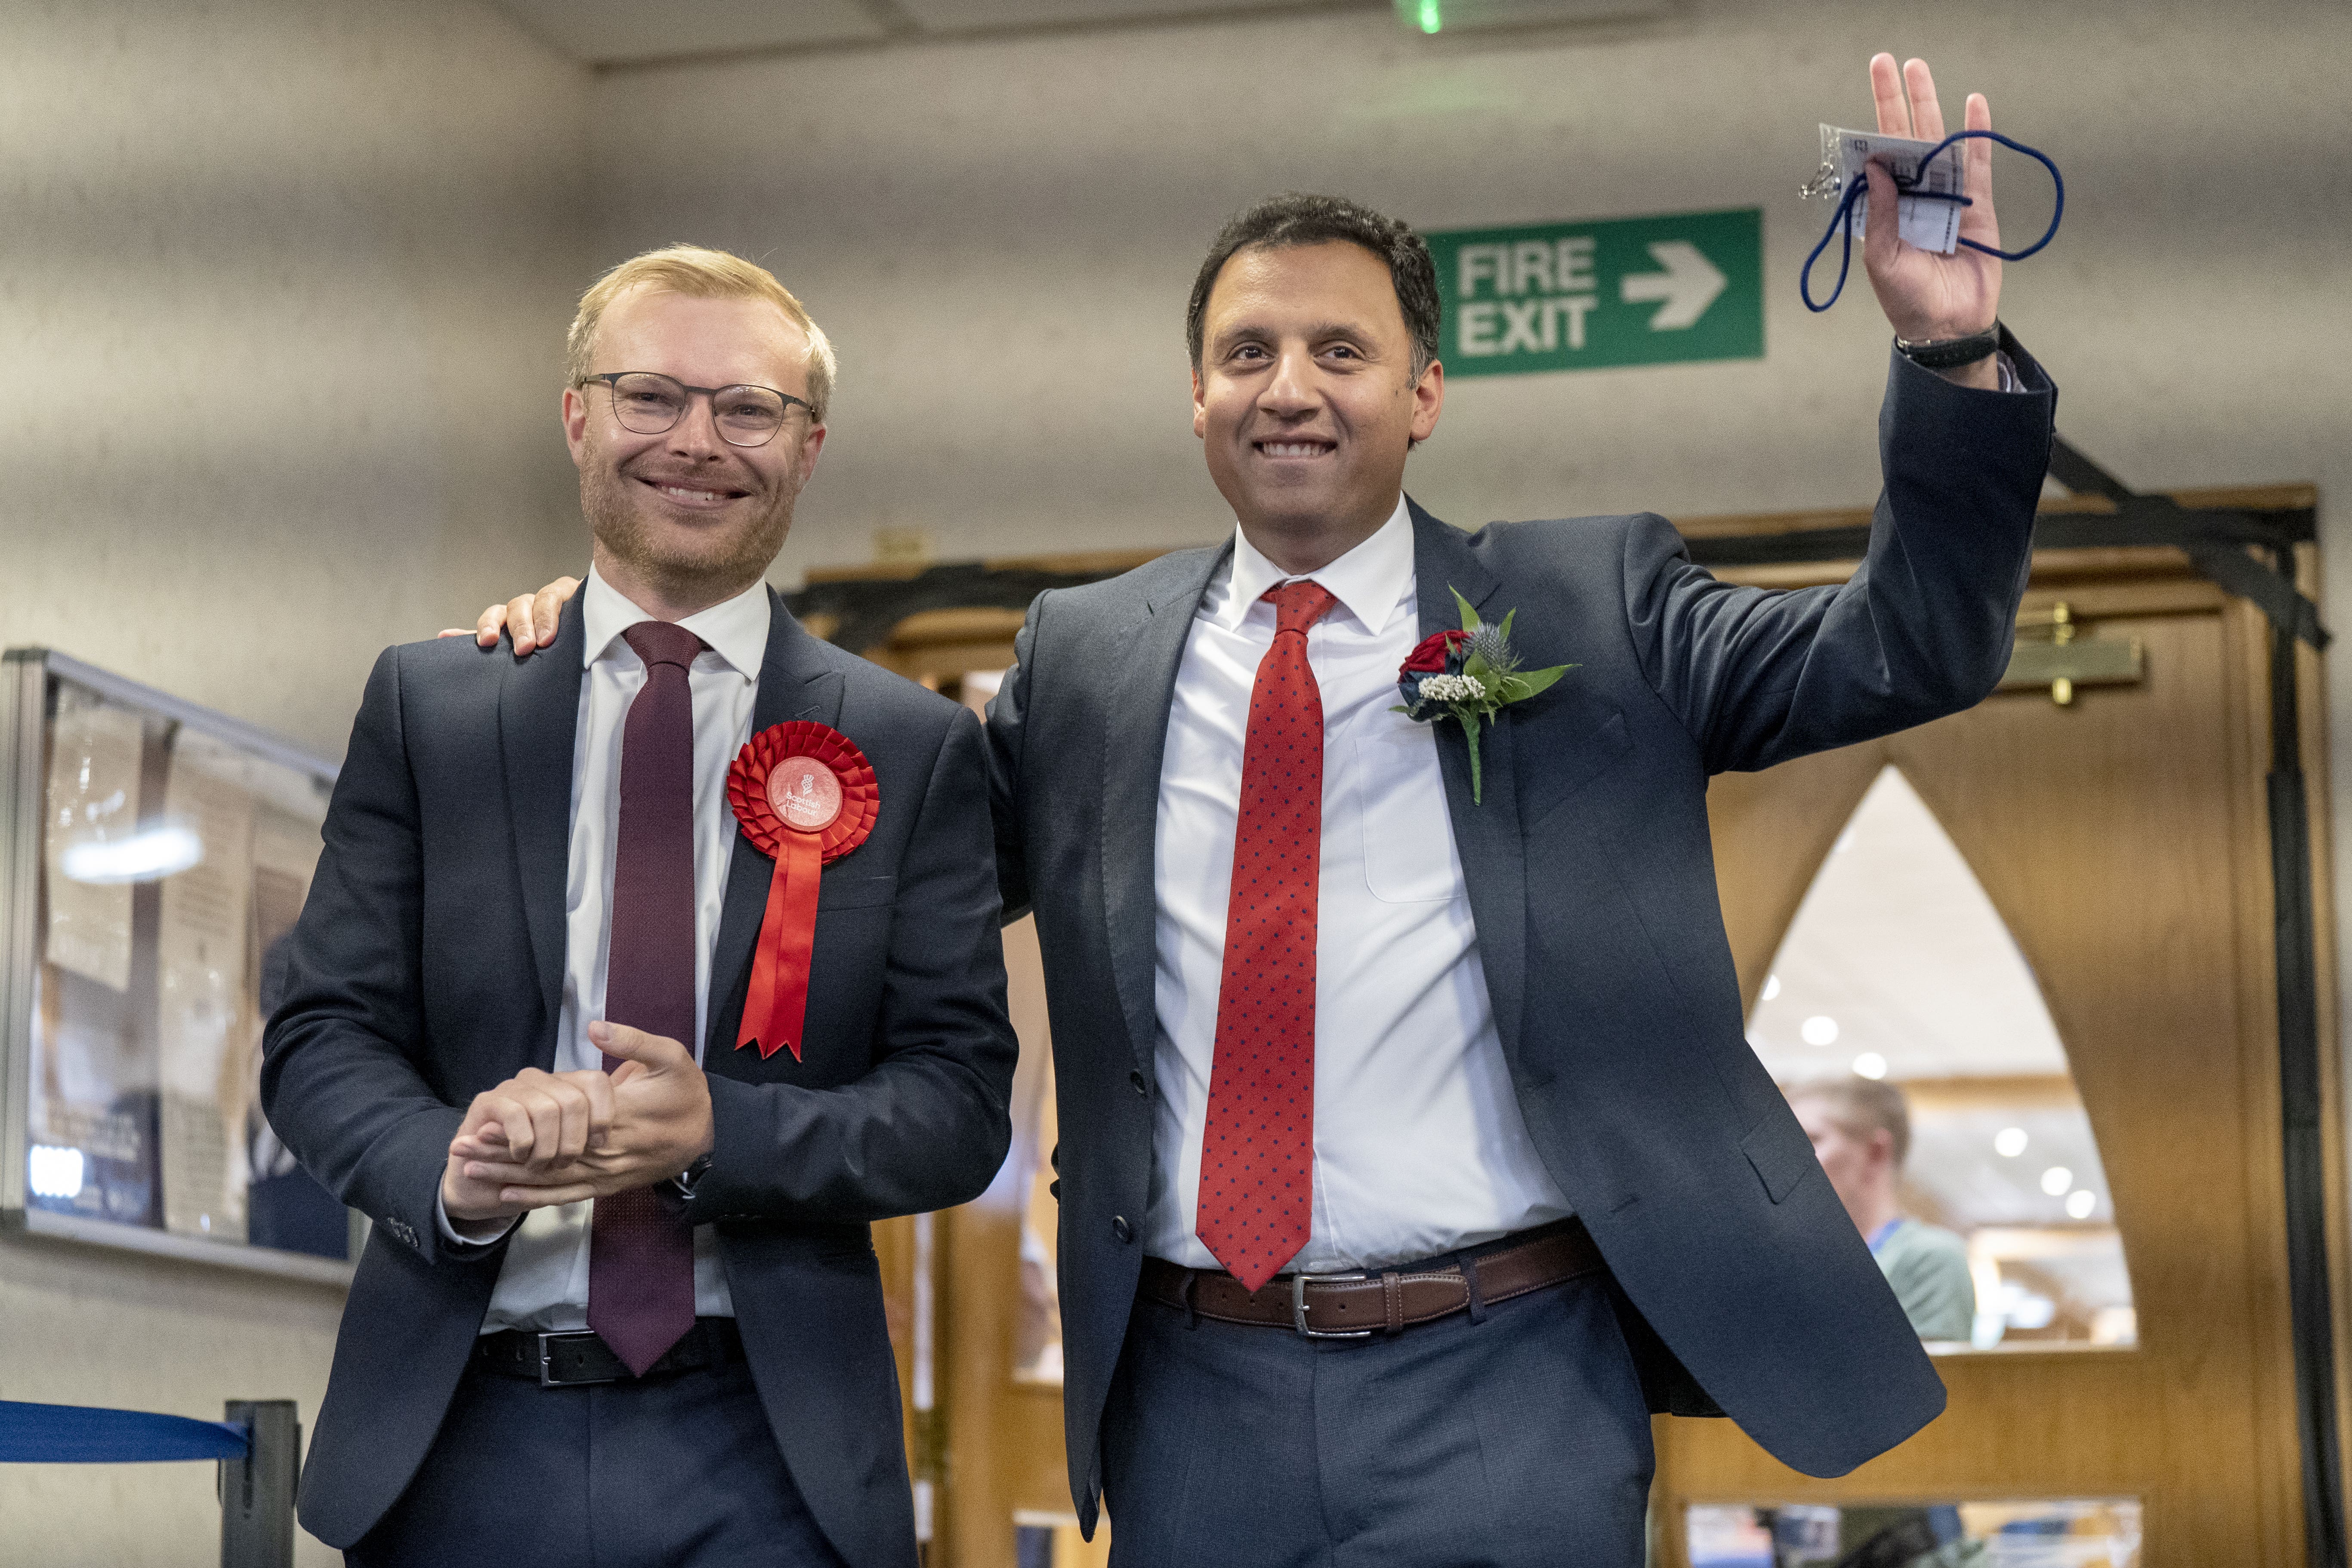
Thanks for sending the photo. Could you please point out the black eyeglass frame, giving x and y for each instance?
(612, 379)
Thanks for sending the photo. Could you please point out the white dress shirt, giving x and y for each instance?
(1419, 1144)
(543, 1280)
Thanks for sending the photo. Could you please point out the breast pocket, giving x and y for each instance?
(1408, 856)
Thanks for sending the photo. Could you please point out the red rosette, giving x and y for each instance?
(805, 796)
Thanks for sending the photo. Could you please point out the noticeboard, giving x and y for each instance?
(153, 857)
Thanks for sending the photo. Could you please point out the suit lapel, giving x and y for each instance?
(1135, 741)
(539, 716)
(1487, 835)
(795, 683)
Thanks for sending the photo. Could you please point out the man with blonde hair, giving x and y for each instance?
(620, 1305)
(1860, 1133)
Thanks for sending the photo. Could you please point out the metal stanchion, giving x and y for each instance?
(256, 1493)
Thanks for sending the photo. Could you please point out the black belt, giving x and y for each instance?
(561, 1361)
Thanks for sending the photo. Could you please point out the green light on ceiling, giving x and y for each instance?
(1432, 19)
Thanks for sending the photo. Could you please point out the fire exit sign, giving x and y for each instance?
(1612, 291)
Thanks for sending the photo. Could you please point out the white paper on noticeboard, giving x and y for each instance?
(92, 800)
(203, 1001)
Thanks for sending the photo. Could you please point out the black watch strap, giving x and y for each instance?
(1950, 354)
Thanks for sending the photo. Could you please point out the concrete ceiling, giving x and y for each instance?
(632, 32)
(622, 31)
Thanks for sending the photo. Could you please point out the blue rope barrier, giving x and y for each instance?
(79, 1435)
(1841, 222)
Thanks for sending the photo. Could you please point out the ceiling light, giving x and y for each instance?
(1771, 987)
(2009, 1142)
(2056, 1180)
(2080, 1202)
(1820, 1030)
(1870, 1064)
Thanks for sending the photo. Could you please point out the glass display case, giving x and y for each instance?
(153, 857)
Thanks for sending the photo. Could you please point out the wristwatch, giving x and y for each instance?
(686, 1179)
(1950, 354)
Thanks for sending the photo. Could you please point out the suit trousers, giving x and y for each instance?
(672, 1471)
(1518, 1441)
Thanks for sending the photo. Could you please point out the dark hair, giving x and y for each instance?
(1281, 222)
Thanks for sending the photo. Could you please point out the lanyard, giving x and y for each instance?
(1841, 221)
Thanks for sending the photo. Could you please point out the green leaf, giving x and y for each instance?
(1470, 728)
(1469, 617)
(1535, 681)
(1508, 619)
(1479, 669)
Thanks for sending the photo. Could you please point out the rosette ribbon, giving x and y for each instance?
(805, 796)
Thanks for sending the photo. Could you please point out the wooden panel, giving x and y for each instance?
(2123, 840)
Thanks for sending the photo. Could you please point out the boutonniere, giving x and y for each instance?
(1469, 676)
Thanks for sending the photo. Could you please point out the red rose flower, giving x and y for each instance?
(1428, 657)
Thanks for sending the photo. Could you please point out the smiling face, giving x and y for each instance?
(1305, 398)
(683, 520)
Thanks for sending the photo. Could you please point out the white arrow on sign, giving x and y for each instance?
(1688, 285)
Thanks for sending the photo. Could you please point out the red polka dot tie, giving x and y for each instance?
(1257, 1153)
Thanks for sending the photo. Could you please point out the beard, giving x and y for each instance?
(682, 563)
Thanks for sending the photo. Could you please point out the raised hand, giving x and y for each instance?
(1927, 296)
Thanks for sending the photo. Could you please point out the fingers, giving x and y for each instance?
(523, 626)
(547, 607)
(541, 1118)
(1926, 115)
(488, 626)
(1976, 221)
(455, 632)
(658, 1053)
(1886, 93)
(1881, 238)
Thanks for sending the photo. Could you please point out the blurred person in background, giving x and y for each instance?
(1861, 1130)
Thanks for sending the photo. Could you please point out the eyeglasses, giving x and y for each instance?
(647, 403)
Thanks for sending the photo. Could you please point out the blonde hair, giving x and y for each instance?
(697, 273)
(1862, 1106)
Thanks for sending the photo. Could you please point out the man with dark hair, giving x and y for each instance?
(1411, 1151)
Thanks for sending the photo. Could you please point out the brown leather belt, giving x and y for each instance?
(1353, 1306)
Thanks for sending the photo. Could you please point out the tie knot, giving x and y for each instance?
(1299, 605)
(663, 642)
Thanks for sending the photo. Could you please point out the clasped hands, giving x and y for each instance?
(541, 1139)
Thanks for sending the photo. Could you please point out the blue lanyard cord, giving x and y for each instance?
(1841, 222)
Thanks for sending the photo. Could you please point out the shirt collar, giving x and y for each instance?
(1369, 581)
(735, 629)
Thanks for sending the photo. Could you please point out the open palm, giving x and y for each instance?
(1925, 295)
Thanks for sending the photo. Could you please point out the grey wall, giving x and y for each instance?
(282, 290)
(282, 293)
(1000, 235)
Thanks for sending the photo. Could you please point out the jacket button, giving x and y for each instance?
(1141, 1086)
(1120, 1229)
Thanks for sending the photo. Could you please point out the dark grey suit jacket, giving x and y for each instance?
(1593, 885)
(412, 989)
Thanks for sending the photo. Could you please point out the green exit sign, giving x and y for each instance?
(1580, 295)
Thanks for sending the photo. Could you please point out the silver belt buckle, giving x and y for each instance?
(1299, 1307)
(547, 1378)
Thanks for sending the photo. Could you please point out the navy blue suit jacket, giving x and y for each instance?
(1591, 882)
(412, 988)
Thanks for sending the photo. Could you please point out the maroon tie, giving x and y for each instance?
(640, 1248)
(1257, 1151)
